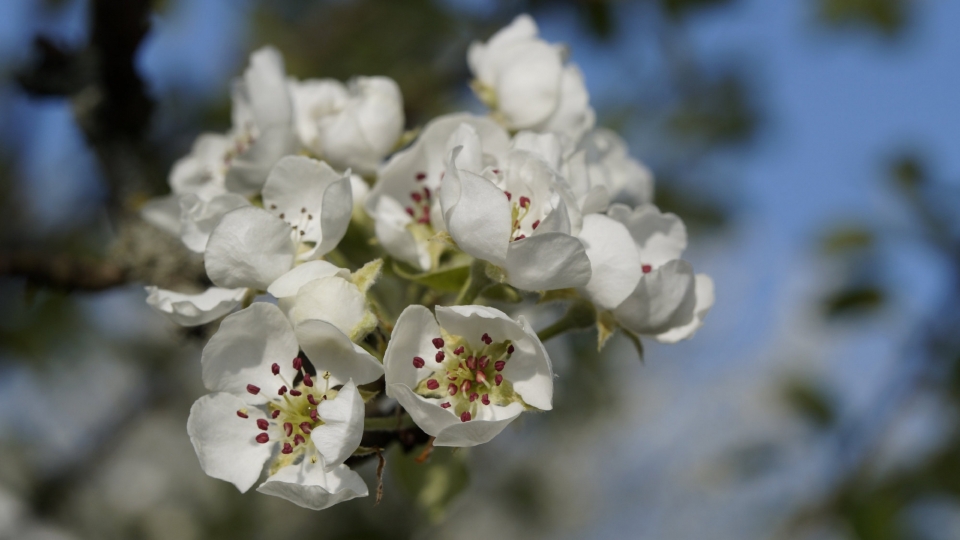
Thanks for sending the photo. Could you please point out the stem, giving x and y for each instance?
(477, 281)
(388, 423)
(580, 315)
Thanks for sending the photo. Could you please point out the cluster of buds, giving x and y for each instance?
(530, 198)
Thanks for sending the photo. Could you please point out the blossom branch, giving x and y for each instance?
(62, 272)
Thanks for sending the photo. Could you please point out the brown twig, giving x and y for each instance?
(63, 272)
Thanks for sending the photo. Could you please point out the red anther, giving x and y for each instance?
(417, 362)
(438, 342)
(287, 448)
(275, 414)
(471, 363)
(288, 428)
(426, 192)
(424, 220)
(646, 268)
(507, 193)
(458, 351)
(282, 390)
(465, 386)
(416, 197)
(440, 356)
(242, 414)
(445, 405)
(496, 171)
(473, 397)
(465, 417)
(421, 176)
(305, 427)
(485, 399)
(263, 438)
(298, 438)
(451, 377)
(452, 389)
(296, 393)
(524, 202)
(313, 415)
(262, 423)
(521, 237)
(297, 363)
(253, 389)
(275, 368)
(482, 362)
(311, 399)
(486, 338)
(498, 379)
(536, 224)
(481, 378)
(432, 384)
(510, 349)
(499, 365)
(307, 380)
(410, 211)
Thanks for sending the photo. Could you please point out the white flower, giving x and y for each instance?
(464, 379)
(268, 402)
(517, 219)
(353, 126)
(602, 172)
(649, 289)
(528, 82)
(403, 202)
(306, 212)
(194, 309)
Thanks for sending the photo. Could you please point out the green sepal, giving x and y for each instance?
(502, 292)
(449, 279)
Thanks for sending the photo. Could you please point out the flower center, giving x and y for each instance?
(520, 209)
(292, 412)
(243, 139)
(466, 378)
(419, 206)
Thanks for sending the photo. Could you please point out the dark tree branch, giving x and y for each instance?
(62, 272)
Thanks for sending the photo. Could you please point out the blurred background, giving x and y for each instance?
(811, 146)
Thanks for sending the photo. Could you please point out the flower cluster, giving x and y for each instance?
(529, 199)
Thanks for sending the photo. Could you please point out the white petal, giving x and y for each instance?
(660, 237)
(483, 57)
(544, 145)
(429, 416)
(332, 299)
(478, 430)
(530, 371)
(476, 213)
(266, 83)
(331, 350)
(573, 115)
(664, 298)
(289, 283)
(201, 171)
(248, 171)
(297, 183)
(395, 237)
(470, 157)
(411, 337)
(705, 299)
(471, 322)
(547, 261)
(528, 84)
(249, 248)
(243, 349)
(309, 486)
(342, 429)
(614, 261)
(199, 217)
(194, 309)
(163, 213)
(224, 442)
(335, 214)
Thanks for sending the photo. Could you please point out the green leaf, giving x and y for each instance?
(450, 279)
(433, 484)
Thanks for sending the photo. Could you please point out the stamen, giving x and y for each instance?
(421, 176)
(275, 368)
(296, 393)
(507, 193)
(416, 197)
(438, 342)
(288, 428)
(471, 363)
(486, 338)
(263, 424)
(432, 384)
(440, 356)
(410, 211)
(499, 365)
(521, 237)
(305, 427)
(481, 378)
(263, 438)
(485, 399)
(498, 379)
(313, 415)
(465, 417)
(536, 224)
(426, 192)
(298, 439)
(417, 362)
(473, 397)
(524, 202)
(282, 390)
(281, 215)
(510, 349)
(646, 268)
(287, 448)
(273, 207)
(275, 414)
(465, 386)
(452, 389)
(482, 362)
(253, 389)
(445, 405)
(311, 399)
(307, 380)
(303, 210)
(458, 351)
(297, 363)
(242, 414)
